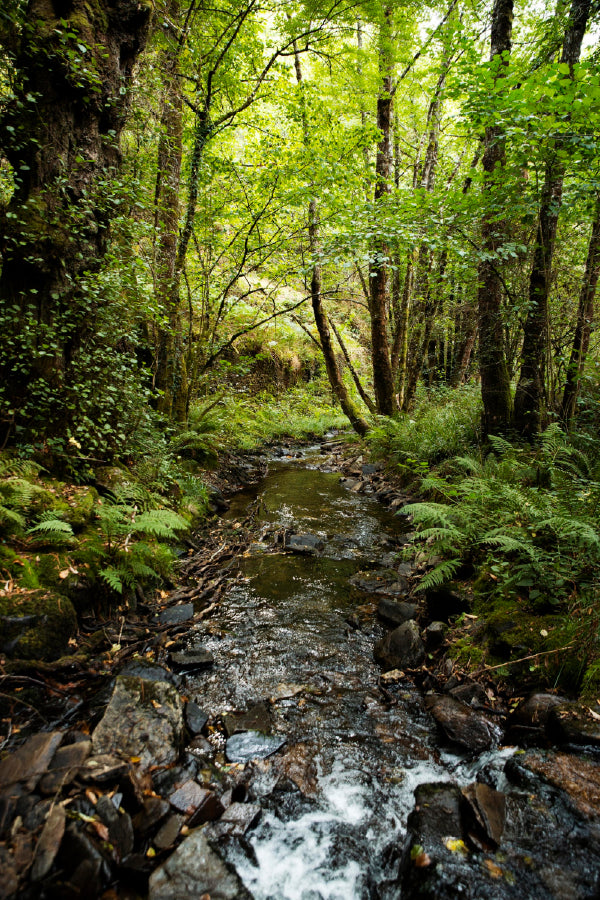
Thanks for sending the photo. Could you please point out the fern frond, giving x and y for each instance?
(508, 544)
(112, 578)
(52, 527)
(566, 528)
(500, 445)
(434, 513)
(161, 523)
(438, 576)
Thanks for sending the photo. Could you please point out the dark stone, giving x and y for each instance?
(460, 723)
(247, 745)
(471, 693)
(169, 832)
(143, 720)
(103, 768)
(189, 660)
(34, 812)
(177, 615)
(120, 828)
(153, 811)
(304, 543)
(402, 648)
(527, 723)
(170, 779)
(194, 870)
(370, 469)
(257, 718)
(486, 812)
(443, 603)
(381, 581)
(195, 717)
(574, 723)
(395, 612)
(30, 761)
(149, 671)
(65, 766)
(435, 634)
(208, 810)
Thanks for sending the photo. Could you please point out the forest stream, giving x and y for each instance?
(308, 773)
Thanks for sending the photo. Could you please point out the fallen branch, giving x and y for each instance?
(513, 662)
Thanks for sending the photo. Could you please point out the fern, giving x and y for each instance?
(113, 578)
(52, 527)
(441, 574)
(161, 523)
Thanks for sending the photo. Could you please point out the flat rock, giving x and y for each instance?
(237, 819)
(461, 724)
(247, 745)
(401, 648)
(177, 615)
(30, 761)
(49, 842)
(169, 832)
(154, 810)
(304, 543)
(149, 671)
(296, 766)
(144, 720)
(396, 612)
(534, 711)
(576, 776)
(187, 798)
(103, 768)
(188, 660)
(195, 717)
(257, 718)
(381, 581)
(471, 693)
(194, 870)
(487, 808)
(120, 828)
(65, 766)
(574, 723)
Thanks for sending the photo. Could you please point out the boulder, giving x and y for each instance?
(528, 721)
(461, 724)
(443, 603)
(401, 648)
(247, 745)
(144, 719)
(304, 543)
(396, 612)
(574, 723)
(194, 870)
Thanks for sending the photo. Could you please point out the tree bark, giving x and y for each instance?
(383, 380)
(529, 396)
(495, 383)
(60, 134)
(585, 319)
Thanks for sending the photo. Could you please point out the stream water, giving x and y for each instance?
(295, 634)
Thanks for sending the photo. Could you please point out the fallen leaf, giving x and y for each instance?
(455, 845)
(422, 860)
(594, 714)
(494, 870)
(100, 829)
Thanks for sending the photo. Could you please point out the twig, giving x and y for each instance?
(513, 662)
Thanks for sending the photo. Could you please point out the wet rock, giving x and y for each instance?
(402, 648)
(169, 832)
(190, 660)
(120, 828)
(527, 723)
(149, 671)
(195, 717)
(487, 812)
(237, 819)
(296, 769)
(194, 870)
(30, 761)
(143, 719)
(92, 870)
(247, 745)
(381, 581)
(177, 615)
(578, 777)
(574, 723)
(9, 883)
(187, 798)
(209, 809)
(103, 768)
(49, 843)
(284, 691)
(65, 766)
(396, 612)
(304, 543)
(257, 718)
(171, 778)
(461, 724)
(471, 693)
(443, 603)
(153, 811)
(435, 634)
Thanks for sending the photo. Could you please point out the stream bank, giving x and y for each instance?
(255, 748)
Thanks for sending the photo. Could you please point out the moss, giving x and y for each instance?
(47, 638)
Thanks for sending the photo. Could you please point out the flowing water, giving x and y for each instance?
(295, 633)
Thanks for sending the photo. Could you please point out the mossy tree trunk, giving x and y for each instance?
(73, 64)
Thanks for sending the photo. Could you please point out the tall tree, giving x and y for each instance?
(495, 383)
(529, 396)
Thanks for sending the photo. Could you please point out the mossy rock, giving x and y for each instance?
(81, 506)
(46, 637)
(114, 480)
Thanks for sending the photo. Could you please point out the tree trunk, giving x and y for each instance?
(495, 383)
(60, 133)
(383, 380)
(338, 387)
(585, 318)
(169, 365)
(529, 396)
